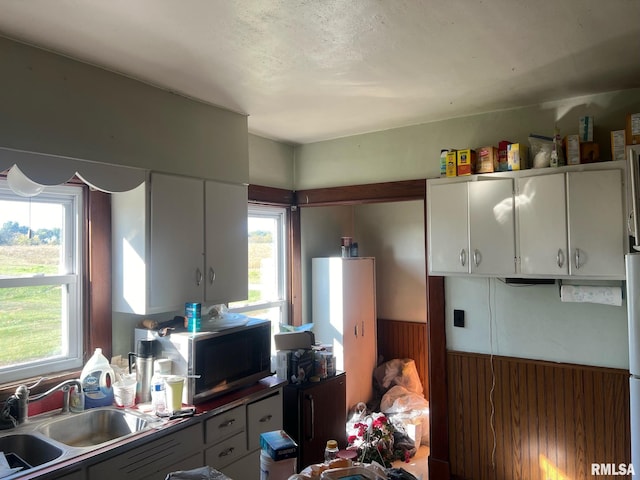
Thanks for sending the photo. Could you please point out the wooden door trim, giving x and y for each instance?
(439, 460)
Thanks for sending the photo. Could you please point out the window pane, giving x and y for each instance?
(30, 237)
(263, 259)
(31, 324)
(40, 302)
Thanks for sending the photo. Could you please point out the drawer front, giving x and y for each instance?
(156, 456)
(264, 416)
(247, 468)
(225, 425)
(226, 452)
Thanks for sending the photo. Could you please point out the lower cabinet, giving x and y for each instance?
(232, 438)
(181, 450)
(228, 441)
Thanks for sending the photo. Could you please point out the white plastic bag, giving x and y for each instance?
(202, 473)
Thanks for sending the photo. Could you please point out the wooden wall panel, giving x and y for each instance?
(550, 420)
(401, 339)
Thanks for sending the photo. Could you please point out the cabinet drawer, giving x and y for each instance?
(226, 452)
(264, 416)
(225, 425)
(247, 468)
(156, 456)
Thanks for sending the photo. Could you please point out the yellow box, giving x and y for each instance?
(516, 157)
(618, 142)
(487, 161)
(572, 149)
(452, 159)
(466, 162)
(633, 129)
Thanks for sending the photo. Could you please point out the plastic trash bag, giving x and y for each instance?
(202, 473)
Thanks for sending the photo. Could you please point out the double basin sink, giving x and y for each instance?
(48, 438)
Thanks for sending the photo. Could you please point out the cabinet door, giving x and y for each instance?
(177, 238)
(596, 232)
(265, 415)
(448, 232)
(542, 221)
(226, 242)
(359, 340)
(491, 227)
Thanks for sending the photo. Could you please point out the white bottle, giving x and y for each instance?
(97, 378)
(159, 389)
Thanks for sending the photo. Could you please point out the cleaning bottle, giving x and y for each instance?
(96, 378)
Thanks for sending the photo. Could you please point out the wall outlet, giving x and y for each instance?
(458, 318)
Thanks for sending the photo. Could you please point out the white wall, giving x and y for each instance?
(393, 233)
(270, 163)
(527, 322)
(56, 105)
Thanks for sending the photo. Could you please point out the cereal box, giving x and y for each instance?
(487, 161)
(466, 162)
(516, 156)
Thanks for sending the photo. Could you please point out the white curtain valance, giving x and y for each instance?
(49, 170)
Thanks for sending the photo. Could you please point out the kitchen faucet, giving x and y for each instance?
(23, 398)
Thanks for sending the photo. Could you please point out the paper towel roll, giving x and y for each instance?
(591, 294)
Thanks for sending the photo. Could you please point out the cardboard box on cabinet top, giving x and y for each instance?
(294, 340)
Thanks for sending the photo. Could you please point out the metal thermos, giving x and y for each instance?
(143, 359)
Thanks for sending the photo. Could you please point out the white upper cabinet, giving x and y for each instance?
(471, 227)
(572, 224)
(226, 242)
(561, 223)
(542, 225)
(176, 240)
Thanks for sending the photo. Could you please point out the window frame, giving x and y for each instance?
(281, 214)
(71, 277)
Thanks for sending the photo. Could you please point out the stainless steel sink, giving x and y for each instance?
(95, 427)
(28, 451)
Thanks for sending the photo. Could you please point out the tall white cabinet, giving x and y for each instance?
(178, 239)
(344, 315)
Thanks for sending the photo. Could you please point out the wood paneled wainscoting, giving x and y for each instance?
(551, 420)
(402, 339)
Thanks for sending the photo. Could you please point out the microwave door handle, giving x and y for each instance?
(312, 418)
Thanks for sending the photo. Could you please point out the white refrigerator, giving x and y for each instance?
(632, 265)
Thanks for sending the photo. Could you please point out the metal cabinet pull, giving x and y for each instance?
(577, 258)
(560, 258)
(228, 423)
(463, 257)
(266, 418)
(362, 329)
(198, 277)
(476, 257)
(355, 330)
(212, 275)
(312, 417)
(226, 452)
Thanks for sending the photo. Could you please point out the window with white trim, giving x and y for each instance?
(40, 282)
(267, 267)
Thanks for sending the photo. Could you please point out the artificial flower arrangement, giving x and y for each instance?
(372, 437)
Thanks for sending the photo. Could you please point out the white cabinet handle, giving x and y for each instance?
(212, 275)
(198, 277)
(463, 257)
(560, 258)
(476, 257)
(577, 258)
